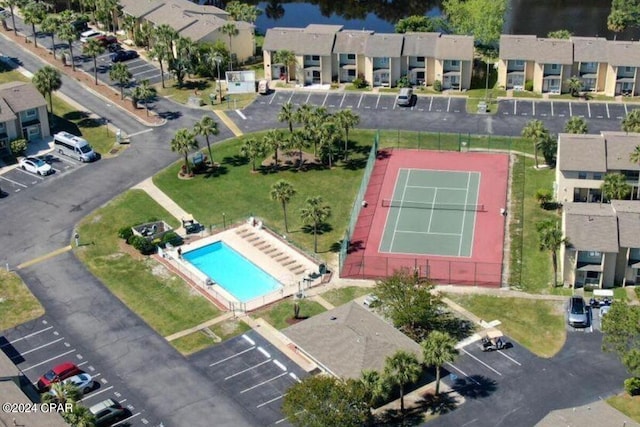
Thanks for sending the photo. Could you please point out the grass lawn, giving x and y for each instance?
(200, 340)
(537, 325)
(450, 141)
(17, 303)
(163, 300)
(474, 96)
(526, 94)
(342, 296)
(204, 87)
(278, 314)
(628, 405)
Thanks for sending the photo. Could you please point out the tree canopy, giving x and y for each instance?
(559, 34)
(624, 14)
(420, 23)
(621, 327)
(482, 19)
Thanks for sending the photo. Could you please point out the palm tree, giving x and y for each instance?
(374, 387)
(577, 125)
(120, 74)
(105, 10)
(617, 21)
(548, 145)
(230, 30)
(298, 141)
(401, 369)
(12, 4)
(274, 140)
(68, 33)
(62, 392)
(550, 237)
(439, 348)
(93, 48)
(179, 68)
(80, 416)
(287, 114)
(143, 92)
(327, 138)
(187, 50)
(346, 119)
(282, 191)
(631, 122)
(160, 51)
(167, 35)
(47, 80)
(316, 121)
(615, 187)
(315, 213)
(303, 115)
(49, 25)
(34, 13)
(634, 157)
(575, 85)
(252, 149)
(535, 131)
(286, 58)
(207, 127)
(129, 22)
(184, 142)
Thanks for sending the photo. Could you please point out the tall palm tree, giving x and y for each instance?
(346, 119)
(282, 191)
(106, 10)
(576, 125)
(47, 80)
(49, 25)
(287, 114)
(33, 13)
(252, 149)
(183, 142)
(303, 115)
(548, 146)
(401, 369)
(327, 138)
(160, 51)
(144, 92)
(374, 387)
(615, 187)
(80, 416)
(298, 141)
(68, 33)
(439, 348)
(120, 74)
(179, 68)
(535, 132)
(167, 35)
(551, 239)
(315, 213)
(634, 157)
(187, 50)
(93, 48)
(631, 122)
(274, 140)
(12, 4)
(230, 30)
(129, 22)
(575, 85)
(207, 127)
(286, 58)
(316, 121)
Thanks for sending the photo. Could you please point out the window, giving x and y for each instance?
(555, 66)
(582, 175)
(31, 114)
(628, 69)
(3, 143)
(455, 63)
(351, 73)
(519, 63)
(420, 59)
(597, 176)
(351, 56)
(315, 57)
(420, 75)
(595, 254)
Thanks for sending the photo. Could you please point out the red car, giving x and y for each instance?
(58, 373)
(106, 41)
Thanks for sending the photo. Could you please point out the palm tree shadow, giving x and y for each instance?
(475, 386)
(321, 229)
(393, 417)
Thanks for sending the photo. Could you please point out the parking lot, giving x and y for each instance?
(587, 110)
(16, 180)
(140, 68)
(37, 346)
(253, 372)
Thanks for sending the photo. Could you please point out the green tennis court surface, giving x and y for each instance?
(432, 213)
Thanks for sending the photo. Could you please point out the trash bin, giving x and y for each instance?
(212, 98)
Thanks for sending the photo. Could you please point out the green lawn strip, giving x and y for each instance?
(535, 324)
(474, 96)
(628, 405)
(278, 314)
(342, 296)
(17, 303)
(203, 88)
(200, 340)
(526, 94)
(163, 300)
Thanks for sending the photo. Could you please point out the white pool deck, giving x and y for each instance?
(287, 265)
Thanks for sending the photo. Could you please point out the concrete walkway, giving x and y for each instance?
(162, 199)
(323, 302)
(598, 413)
(226, 316)
(228, 122)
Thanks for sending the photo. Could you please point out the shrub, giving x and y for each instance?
(18, 146)
(543, 196)
(632, 386)
(125, 233)
(637, 289)
(172, 238)
(143, 245)
(528, 85)
(403, 82)
(437, 86)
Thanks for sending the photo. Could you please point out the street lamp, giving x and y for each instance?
(218, 59)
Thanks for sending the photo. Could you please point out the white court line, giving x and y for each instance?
(395, 227)
(271, 401)
(249, 340)
(462, 372)
(344, 95)
(433, 203)
(241, 115)
(140, 133)
(26, 336)
(13, 182)
(263, 383)
(232, 356)
(480, 361)
(464, 213)
(435, 233)
(48, 360)
(246, 370)
(473, 229)
(33, 175)
(102, 390)
(126, 420)
(442, 188)
(510, 358)
(38, 348)
(360, 100)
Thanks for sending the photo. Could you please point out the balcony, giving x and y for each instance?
(515, 66)
(451, 66)
(552, 70)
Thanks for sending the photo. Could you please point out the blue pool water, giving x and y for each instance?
(236, 274)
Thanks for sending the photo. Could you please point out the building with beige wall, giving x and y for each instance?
(23, 114)
(348, 55)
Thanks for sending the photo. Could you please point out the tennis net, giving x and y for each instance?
(435, 206)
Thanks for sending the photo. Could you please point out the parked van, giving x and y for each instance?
(73, 146)
(263, 87)
(405, 97)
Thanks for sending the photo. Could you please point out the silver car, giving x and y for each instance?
(578, 312)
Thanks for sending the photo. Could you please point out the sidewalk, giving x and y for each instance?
(225, 316)
(162, 199)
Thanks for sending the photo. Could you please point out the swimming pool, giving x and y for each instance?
(236, 274)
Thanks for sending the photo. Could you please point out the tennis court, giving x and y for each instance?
(432, 212)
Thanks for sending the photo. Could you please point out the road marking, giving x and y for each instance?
(463, 373)
(126, 420)
(26, 336)
(552, 108)
(480, 361)
(63, 158)
(271, 401)
(37, 348)
(342, 101)
(102, 390)
(514, 107)
(228, 122)
(13, 182)
(510, 358)
(263, 351)
(448, 104)
(290, 96)
(33, 175)
(232, 356)
(533, 104)
(570, 110)
(625, 109)
(249, 340)
(241, 115)
(308, 96)
(272, 97)
(263, 383)
(279, 365)
(378, 101)
(325, 99)
(48, 360)
(247, 370)
(360, 100)
(430, 102)
(44, 257)
(589, 109)
(140, 133)
(607, 105)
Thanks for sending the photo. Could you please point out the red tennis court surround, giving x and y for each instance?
(484, 267)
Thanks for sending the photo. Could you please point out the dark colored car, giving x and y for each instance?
(124, 55)
(108, 412)
(114, 47)
(58, 373)
(107, 41)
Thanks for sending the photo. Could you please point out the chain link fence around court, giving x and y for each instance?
(452, 141)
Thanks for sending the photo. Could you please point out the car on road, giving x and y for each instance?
(35, 165)
(124, 55)
(90, 34)
(577, 312)
(58, 373)
(106, 41)
(83, 381)
(108, 412)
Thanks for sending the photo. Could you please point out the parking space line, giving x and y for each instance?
(27, 336)
(143, 65)
(232, 356)
(480, 361)
(241, 115)
(246, 370)
(344, 95)
(49, 360)
(62, 159)
(290, 96)
(37, 348)
(13, 182)
(430, 102)
(249, 340)
(510, 358)
(360, 100)
(607, 105)
(279, 365)
(570, 110)
(308, 96)
(515, 102)
(126, 420)
(448, 104)
(589, 109)
(533, 104)
(140, 133)
(263, 383)
(281, 420)
(33, 175)
(263, 351)
(96, 393)
(552, 108)
(378, 101)
(625, 109)
(325, 99)
(272, 97)
(271, 401)
(462, 372)
(145, 72)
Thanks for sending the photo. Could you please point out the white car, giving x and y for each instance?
(370, 300)
(83, 381)
(89, 34)
(35, 165)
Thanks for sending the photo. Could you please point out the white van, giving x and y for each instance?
(73, 146)
(263, 87)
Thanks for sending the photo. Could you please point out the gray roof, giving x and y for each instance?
(623, 53)
(6, 114)
(169, 8)
(420, 44)
(322, 28)
(351, 41)
(21, 96)
(591, 226)
(139, 8)
(628, 212)
(554, 51)
(518, 47)
(531, 48)
(384, 45)
(455, 47)
(299, 41)
(581, 153)
(349, 339)
(619, 147)
(590, 49)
